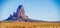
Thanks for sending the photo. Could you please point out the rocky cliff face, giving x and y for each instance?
(19, 15)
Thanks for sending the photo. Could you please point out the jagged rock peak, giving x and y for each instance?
(19, 15)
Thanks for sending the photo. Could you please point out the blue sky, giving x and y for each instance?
(46, 10)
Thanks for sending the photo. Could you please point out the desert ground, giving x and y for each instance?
(29, 24)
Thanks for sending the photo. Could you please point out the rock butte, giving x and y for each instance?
(20, 16)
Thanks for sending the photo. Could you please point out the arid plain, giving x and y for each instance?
(29, 25)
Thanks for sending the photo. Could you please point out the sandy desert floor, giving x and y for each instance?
(29, 25)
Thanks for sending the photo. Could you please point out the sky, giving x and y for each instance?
(46, 10)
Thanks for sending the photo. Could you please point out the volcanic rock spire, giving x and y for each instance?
(19, 15)
(21, 12)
